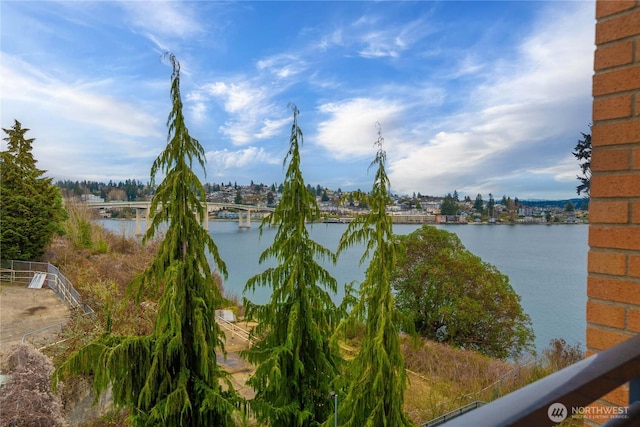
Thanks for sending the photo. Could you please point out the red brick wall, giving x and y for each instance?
(613, 283)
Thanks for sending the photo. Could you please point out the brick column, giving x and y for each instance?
(613, 283)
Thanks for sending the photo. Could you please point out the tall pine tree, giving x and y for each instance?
(295, 361)
(31, 209)
(171, 377)
(376, 378)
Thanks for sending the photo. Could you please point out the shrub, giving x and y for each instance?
(26, 398)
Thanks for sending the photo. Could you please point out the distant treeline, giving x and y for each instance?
(133, 189)
(578, 203)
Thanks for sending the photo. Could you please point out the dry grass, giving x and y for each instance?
(100, 265)
(443, 378)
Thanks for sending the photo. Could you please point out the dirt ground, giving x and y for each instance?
(24, 310)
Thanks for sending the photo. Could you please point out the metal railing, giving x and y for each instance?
(568, 392)
(41, 338)
(453, 414)
(23, 271)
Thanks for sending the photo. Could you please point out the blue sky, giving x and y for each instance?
(478, 97)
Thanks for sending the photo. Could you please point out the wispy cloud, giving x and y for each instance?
(392, 40)
(282, 66)
(223, 160)
(515, 114)
(115, 131)
(23, 83)
(253, 114)
(163, 21)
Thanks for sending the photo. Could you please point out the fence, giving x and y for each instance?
(23, 272)
(455, 413)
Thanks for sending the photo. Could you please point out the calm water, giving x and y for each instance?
(546, 265)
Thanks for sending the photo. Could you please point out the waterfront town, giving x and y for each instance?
(338, 206)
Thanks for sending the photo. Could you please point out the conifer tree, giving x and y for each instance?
(295, 361)
(171, 377)
(31, 209)
(376, 378)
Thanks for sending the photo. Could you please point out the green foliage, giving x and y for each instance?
(478, 205)
(102, 247)
(456, 298)
(295, 361)
(376, 378)
(84, 236)
(582, 152)
(31, 209)
(171, 376)
(449, 205)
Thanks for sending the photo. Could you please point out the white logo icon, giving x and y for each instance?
(557, 412)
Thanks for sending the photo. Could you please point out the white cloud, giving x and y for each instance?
(237, 97)
(272, 127)
(250, 156)
(350, 128)
(564, 170)
(252, 113)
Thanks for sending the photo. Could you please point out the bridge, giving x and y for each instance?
(142, 210)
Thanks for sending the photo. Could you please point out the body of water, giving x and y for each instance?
(546, 265)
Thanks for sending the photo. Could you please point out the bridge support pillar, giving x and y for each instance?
(138, 224)
(240, 222)
(147, 218)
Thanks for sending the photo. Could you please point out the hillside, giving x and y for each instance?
(441, 378)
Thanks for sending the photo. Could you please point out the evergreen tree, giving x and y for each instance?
(583, 154)
(448, 206)
(512, 209)
(270, 198)
(568, 207)
(170, 377)
(490, 205)
(295, 361)
(478, 205)
(31, 209)
(376, 377)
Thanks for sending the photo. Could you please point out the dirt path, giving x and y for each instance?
(239, 369)
(24, 310)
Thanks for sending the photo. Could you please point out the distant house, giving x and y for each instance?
(91, 198)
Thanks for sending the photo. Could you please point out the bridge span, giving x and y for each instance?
(142, 210)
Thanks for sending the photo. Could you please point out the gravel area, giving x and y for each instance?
(24, 310)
